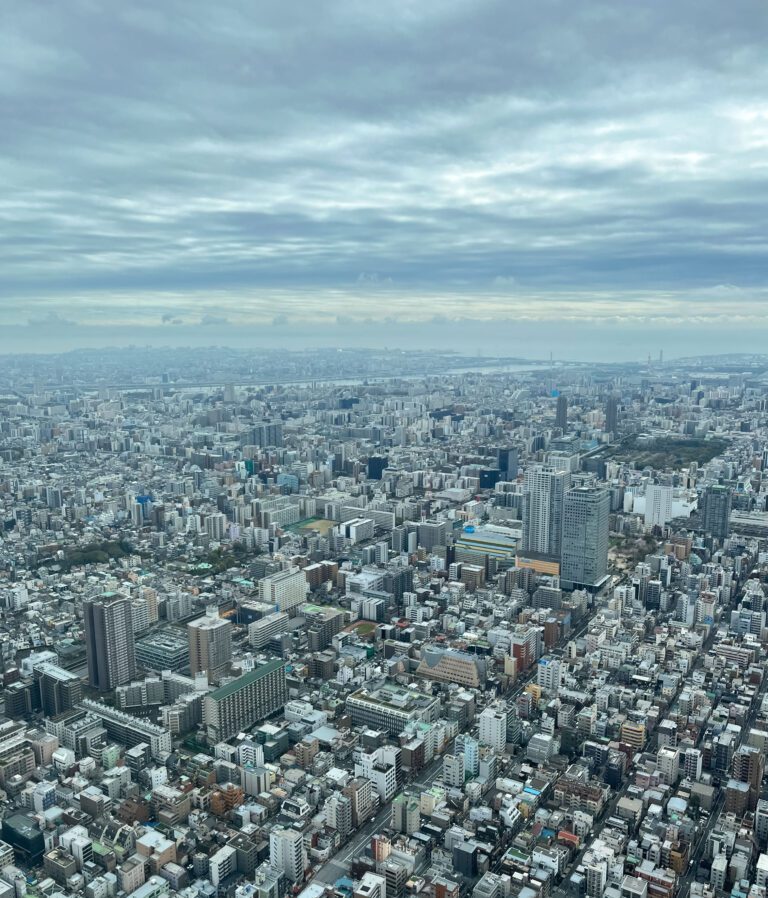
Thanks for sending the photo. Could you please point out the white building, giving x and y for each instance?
(222, 864)
(668, 760)
(493, 728)
(761, 872)
(371, 886)
(453, 770)
(287, 853)
(692, 763)
(658, 505)
(549, 674)
(544, 490)
(285, 589)
(261, 632)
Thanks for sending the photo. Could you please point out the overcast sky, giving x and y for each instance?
(580, 175)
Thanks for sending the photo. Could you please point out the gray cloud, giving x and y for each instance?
(52, 319)
(213, 320)
(548, 161)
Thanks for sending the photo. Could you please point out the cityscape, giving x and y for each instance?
(383, 449)
(483, 628)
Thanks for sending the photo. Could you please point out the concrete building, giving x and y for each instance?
(285, 590)
(210, 644)
(584, 561)
(549, 674)
(287, 853)
(658, 504)
(544, 490)
(163, 649)
(493, 728)
(60, 690)
(109, 643)
(261, 632)
(245, 701)
(716, 510)
(391, 708)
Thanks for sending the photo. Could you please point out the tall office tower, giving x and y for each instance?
(544, 491)
(287, 852)
(658, 505)
(433, 533)
(210, 644)
(109, 642)
(376, 466)
(585, 537)
(611, 414)
(508, 463)
(270, 433)
(561, 414)
(716, 510)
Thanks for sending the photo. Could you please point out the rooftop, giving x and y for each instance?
(251, 677)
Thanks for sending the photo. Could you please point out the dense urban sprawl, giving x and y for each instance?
(288, 624)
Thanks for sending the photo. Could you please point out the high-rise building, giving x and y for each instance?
(493, 728)
(748, 767)
(360, 792)
(561, 413)
(692, 763)
(287, 853)
(716, 510)
(549, 674)
(286, 590)
(60, 690)
(508, 463)
(470, 749)
(584, 559)
(109, 644)
(269, 433)
(210, 644)
(245, 701)
(611, 414)
(668, 763)
(658, 504)
(338, 811)
(544, 492)
(432, 534)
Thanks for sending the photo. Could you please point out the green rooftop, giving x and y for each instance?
(251, 677)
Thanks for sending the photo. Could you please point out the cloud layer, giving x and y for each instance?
(186, 164)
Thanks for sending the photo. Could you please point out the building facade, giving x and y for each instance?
(109, 643)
